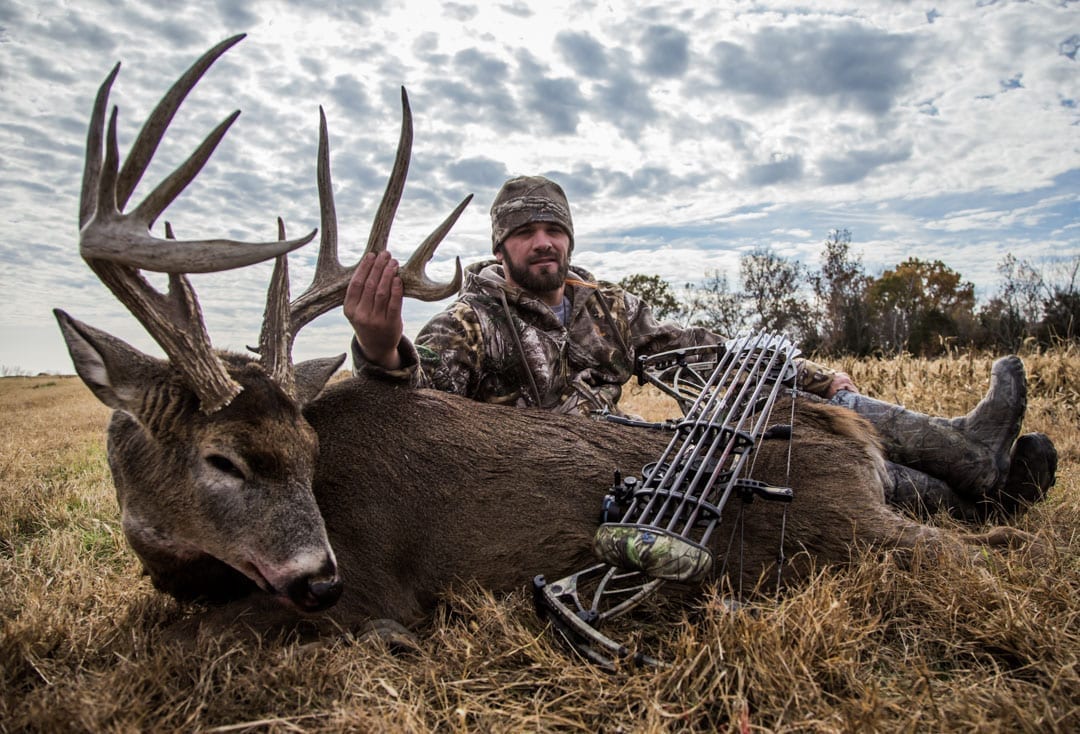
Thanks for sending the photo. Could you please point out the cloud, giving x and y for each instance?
(851, 65)
(476, 91)
(478, 172)
(518, 8)
(855, 165)
(459, 11)
(798, 234)
(1069, 47)
(624, 101)
(644, 181)
(480, 67)
(617, 96)
(555, 102)
(986, 218)
(667, 51)
(585, 54)
(1015, 82)
(350, 97)
(782, 169)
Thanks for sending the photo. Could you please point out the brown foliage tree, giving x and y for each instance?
(919, 305)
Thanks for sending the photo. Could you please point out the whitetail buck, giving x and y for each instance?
(248, 477)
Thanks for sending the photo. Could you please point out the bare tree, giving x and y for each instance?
(714, 306)
(772, 286)
(1061, 309)
(840, 287)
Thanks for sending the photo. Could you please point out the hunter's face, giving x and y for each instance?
(535, 257)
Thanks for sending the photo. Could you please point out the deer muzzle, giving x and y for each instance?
(316, 592)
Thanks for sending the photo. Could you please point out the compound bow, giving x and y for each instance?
(727, 393)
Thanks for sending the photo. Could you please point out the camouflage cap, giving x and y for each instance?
(529, 199)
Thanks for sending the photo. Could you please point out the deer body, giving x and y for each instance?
(419, 490)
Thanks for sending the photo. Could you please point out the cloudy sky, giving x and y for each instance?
(685, 133)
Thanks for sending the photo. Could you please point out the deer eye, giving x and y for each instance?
(225, 465)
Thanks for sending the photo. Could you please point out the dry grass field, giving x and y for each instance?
(870, 647)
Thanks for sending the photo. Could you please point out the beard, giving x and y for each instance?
(543, 282)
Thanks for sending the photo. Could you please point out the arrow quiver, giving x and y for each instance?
(665, 532)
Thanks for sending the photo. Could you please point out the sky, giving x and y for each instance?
(685, 134)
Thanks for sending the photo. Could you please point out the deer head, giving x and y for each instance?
(211, 456)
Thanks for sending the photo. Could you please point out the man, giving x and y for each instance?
(529, 329)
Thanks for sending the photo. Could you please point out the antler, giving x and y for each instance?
(116, 245)
(283, 320)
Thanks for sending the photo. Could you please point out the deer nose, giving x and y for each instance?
(316, 593)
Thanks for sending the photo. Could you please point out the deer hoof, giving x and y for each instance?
(392, 634)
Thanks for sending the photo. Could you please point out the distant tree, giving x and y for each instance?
(772, 286)
(1000, 327)
(1061, 321)
(1013, 313)
(1022, 288)
(840, 288)
(1061, 311)
(714, 306)
(658, 293)
(919, 305)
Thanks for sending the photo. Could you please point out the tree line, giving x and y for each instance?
(918, 306)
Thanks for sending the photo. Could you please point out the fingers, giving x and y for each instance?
(841, 381)
(374, 293)
(355, 289)
(373, 301)
(378, 288)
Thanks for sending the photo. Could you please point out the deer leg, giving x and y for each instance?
(397, 638)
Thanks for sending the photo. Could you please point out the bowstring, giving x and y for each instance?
(787, 482)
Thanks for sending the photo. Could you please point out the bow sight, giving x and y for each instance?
(665, 533)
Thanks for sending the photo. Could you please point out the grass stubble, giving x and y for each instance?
(869, 647)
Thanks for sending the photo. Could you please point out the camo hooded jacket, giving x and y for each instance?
(499, 344)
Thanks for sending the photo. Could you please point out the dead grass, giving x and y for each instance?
(866, 648)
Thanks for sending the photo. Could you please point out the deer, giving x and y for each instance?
(258, 484)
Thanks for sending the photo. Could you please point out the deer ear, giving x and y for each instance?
(115, 372)
(312, 376)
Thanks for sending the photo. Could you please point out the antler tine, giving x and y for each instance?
(414, 278)
(109, 234)
(328, 285)
(142, 150)
(327, 267)
(276, 337)
(384, 217)
(88, 200)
